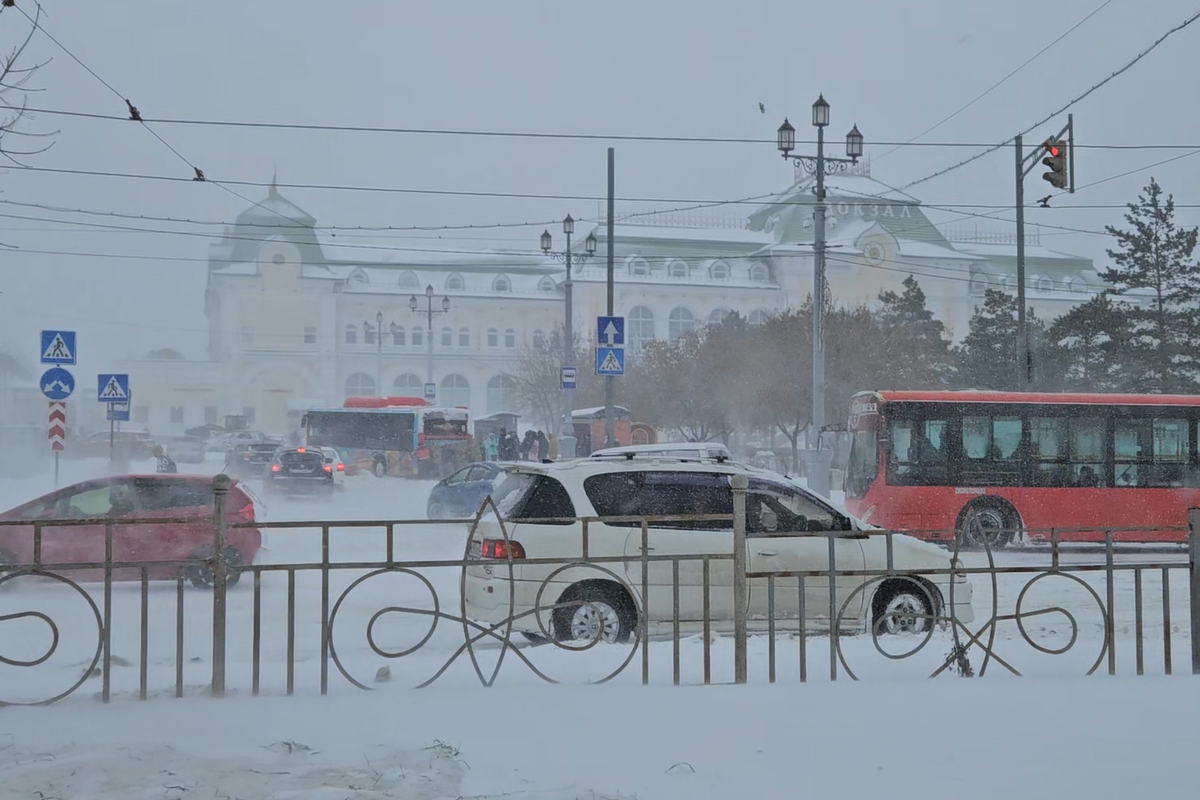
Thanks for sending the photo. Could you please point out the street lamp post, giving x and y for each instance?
(378, 348)
(822, 165)
(429, 312)
(566, 440)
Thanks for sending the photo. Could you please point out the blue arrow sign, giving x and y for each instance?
(610, 331)
(112, 388)
(58, 347)
(610, 361)
(57, 384)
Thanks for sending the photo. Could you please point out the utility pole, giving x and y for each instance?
(610, 437)
(1058, 152)
(429, 312)
(566, 439)
(818, 460)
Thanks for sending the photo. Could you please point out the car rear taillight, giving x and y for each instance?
(501, 548)
(328, 468)
(341, 467)
(247, 512)
(300, 450)
(275, 468)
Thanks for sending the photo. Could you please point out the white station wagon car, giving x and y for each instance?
(538, 503)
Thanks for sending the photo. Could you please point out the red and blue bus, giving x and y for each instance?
(994, 466)
(397, 436)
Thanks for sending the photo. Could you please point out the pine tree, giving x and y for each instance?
(1154, 259)
(1087, 349)
(989, 355)
(915, 350)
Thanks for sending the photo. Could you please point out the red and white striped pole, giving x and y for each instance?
(57, 432)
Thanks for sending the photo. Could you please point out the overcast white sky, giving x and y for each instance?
(645, 67)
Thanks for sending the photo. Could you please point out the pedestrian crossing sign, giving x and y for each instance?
(58, 347)
(113, 388)
(610, 361)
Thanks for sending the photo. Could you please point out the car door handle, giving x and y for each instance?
(767, 553)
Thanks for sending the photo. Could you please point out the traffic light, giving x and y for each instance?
(1056, 160)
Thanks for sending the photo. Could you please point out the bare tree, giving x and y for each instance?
(15, 74)
(538, 375)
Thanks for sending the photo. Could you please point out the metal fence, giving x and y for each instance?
(786, 615)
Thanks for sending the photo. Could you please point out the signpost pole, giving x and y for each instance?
(610, 439)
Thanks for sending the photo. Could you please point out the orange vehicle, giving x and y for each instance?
(993, 466)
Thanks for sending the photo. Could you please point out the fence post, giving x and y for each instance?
(219, 574)
(1194, 583)
(739, 483)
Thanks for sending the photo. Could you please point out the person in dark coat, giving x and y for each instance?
(504, 448)
(543, 446)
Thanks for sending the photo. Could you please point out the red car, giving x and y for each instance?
(126, 499)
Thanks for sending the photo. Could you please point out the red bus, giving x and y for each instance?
(988, 464)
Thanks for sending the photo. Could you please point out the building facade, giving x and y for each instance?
(296, 322)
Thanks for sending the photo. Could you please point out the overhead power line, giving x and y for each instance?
(1056, 112)
(512, 134)
(1000, 82)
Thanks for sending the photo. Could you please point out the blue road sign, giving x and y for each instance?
(58, 347)
(112, 388)
(57, 384)
(568, 377)
(610, 360)
(610, 331)
(118, 412)
(431, 391)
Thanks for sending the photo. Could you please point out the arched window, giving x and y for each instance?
(464, 337)
(718, 270)
(510, 338)
(979, 284)
(680, 322)
(640, 326)
(409, 281)
(455, 391)
(1045, 285)
(351, 334)
(637, 265)
(718, 316)
(501, 284)
(369, 333)
(678, 268)
(360, 384)
(758, 317)
(759, 273)
(539, 340)
(408, 385)
(418, 336)
(447, 337)
(397, 335)
(546, 284)
(493, 337)
(358, 278)
(455, 283)
(501, 394)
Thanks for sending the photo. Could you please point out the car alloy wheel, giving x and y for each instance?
(595, 619)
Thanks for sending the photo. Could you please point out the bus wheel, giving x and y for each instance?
(987, 523)
(379, 468)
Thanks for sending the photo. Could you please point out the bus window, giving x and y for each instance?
(991, 450)
(863, 463)
(1087, 452)
(917, 455)
(1150, 453)
(1048, 438)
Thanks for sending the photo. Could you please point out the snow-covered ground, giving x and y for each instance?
(523, 735)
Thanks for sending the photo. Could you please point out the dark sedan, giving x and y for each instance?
(249, 460)
(459, 495)
(298, 470)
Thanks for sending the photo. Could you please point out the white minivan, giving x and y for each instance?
(541, 503)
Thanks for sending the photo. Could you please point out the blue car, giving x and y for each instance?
(459, 495)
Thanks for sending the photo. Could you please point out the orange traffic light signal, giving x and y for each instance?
(1056, 160)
